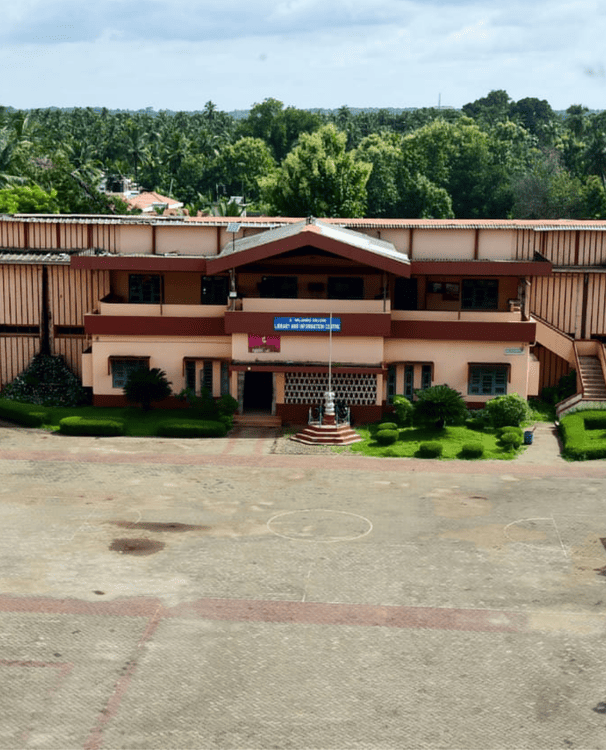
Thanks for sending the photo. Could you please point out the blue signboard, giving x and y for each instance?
(306, 324)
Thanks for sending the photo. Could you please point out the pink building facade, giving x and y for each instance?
(260, 307)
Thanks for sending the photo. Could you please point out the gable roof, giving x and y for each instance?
(344, 243)
(147, 201)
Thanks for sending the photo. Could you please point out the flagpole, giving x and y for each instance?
(330, 353)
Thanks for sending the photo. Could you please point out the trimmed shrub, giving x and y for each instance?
(507, 410)
(595, 421)
(46, 381)
(432, 449)
(387, 437)
(510, 428)
(511, 440)
(403, 409)
(475, 423)
(581, 443)
(91, 427)
(472, 450)
(28, 415)
(387, 426)
(200, 429)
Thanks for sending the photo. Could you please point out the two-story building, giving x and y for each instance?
(260, 307)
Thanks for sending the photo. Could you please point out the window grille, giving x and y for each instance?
(309, 388)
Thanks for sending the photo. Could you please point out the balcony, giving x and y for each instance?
(314, 306)
(123, 309)
(471, 316)
(463, 325)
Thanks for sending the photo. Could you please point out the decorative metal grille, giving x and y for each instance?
(355, 390)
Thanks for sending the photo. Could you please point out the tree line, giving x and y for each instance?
(493, 158)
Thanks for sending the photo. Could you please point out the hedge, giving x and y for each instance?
(28, 415)
(511, 429)
(578, 446)
(432, 449)
(472, 450)
(91, 427)
(200, 429)
(595, 421)
(387, 437)
(387, 426)
(511, 440)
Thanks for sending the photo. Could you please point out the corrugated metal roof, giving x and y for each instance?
(346, 236)
(55, 258)
(270, 222)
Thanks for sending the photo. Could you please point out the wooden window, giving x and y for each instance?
(214, 290)
(345, 287)
(409, 379)
(206, 376)
(224, 378)
(391, 383)
(279, 287)
(480, 294)
(487, 380)
(144, 289)
(426, 376)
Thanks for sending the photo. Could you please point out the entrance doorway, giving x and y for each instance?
(258, 391)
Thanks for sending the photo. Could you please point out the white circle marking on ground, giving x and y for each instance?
(319, 525)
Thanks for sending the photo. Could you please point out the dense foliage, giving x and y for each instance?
(440, 404)
(494, 158)
(507, 410)
(145, 386)
(46, 381)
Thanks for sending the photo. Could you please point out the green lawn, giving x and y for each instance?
(137, 422)
(452, 439)
(584, 438)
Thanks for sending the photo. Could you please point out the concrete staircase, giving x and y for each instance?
(257, 419)
(592, 377)
(327, 434)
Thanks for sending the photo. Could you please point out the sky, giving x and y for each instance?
(180, 54)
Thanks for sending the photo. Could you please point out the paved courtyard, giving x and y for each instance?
(231, 594)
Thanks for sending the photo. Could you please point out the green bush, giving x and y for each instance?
(387, 426)
(580, 443)
(199, 429)
(595, 421)
(403, 410)
(227, 405)
(387, 437)
(46, 381)
(472, 450)
(432, 449)
(27, 415)
(507, 410)
(91, 427)
(439, 404)
(145, 386)
(510, 428)
(511, 440)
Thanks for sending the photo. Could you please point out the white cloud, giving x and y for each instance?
(308, 53)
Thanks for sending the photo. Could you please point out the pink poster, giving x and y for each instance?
(259, 344)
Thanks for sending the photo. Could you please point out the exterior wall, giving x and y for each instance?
(450, 360)
(166, 353)
(346, 349)
(444, 244)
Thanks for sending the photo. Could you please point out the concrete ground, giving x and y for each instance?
(231, 594)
